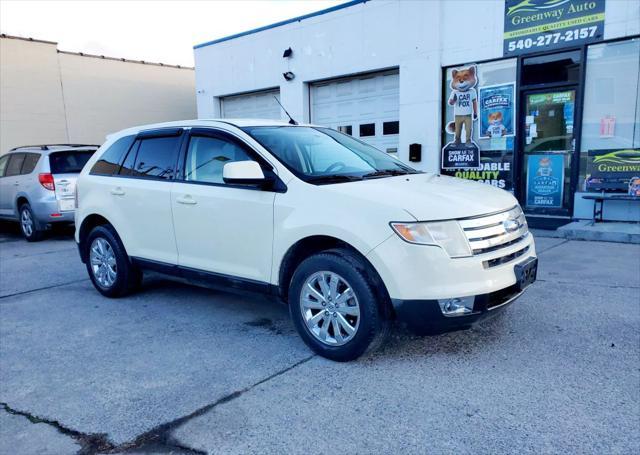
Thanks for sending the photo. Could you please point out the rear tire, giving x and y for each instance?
(344, 317)
(28, 225)
(108, 264)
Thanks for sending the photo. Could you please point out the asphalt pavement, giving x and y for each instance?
(177, 369)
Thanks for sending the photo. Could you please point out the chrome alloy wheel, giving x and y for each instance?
(103, 262)
(330, 308)
(26, 222)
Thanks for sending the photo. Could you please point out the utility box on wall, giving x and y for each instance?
(415, 153)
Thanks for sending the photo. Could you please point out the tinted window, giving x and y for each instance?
(207, 156)
(3, 164)
(111, 158)
(30, 161)
(391, 127)
(127, 165)
(368, 129)
(156, 157)
(15, 164)
(70, 162)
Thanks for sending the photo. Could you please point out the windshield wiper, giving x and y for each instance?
(387, 172)
(333, 178)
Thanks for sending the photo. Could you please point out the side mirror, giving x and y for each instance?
(243, 173)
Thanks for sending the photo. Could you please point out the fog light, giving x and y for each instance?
(458, 306)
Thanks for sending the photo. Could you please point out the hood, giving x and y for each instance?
(429, 197)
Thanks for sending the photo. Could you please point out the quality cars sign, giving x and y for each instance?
(540, 25)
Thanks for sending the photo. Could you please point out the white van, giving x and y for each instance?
(350, 237)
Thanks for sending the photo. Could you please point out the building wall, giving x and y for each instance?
(31, 105)
(417, 37)
(50, 96)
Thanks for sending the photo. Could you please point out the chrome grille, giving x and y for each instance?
(494, 232)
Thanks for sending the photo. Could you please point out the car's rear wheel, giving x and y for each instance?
(335, 307)
(108, 264)
(28, 225)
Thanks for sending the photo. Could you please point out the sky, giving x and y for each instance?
(154, 31)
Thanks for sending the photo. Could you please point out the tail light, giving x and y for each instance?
(75, 197)
(46, 180)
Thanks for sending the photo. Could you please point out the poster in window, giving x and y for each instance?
(462, 152)
(497, 111)
(545, 180)
(495, 169)
(611, 169)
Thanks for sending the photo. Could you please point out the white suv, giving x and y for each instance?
(348, 236)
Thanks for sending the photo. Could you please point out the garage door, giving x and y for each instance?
(251, 105)
(367, 107)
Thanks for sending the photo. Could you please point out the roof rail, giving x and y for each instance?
(46, 146)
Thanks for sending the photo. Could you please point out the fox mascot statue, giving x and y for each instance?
(464, 100)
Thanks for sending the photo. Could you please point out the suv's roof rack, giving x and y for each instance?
(46, 146)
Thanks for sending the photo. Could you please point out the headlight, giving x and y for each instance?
(446, 234)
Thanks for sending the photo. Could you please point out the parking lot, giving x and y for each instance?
(180, 369)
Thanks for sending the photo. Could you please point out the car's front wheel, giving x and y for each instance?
(28, 224)
(110, 270)
(335, 307)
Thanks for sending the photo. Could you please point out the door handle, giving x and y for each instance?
(188, 200)
(16, 183)
(117, 192)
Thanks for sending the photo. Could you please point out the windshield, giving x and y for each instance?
(322, 155)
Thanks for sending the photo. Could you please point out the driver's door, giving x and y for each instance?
(221, 228)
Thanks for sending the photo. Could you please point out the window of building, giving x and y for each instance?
(111, 158)
(611, 115)
(30, 161)
(156, 157)
(391, 128)
(207, 156)
(367, 129)
(346, 129)
(545, 69)
(15, 164)
(497, 149)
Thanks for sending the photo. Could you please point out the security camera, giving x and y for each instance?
(288, 76)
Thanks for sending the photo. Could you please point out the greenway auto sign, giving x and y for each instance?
(612, 169)
(540, 25)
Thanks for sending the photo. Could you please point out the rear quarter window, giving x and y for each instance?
(30, 161)
(70, 162)
(109, 162)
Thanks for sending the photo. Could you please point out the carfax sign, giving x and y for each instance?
(540, 25)
(545, 180)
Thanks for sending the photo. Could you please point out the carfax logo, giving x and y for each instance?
(494, 101)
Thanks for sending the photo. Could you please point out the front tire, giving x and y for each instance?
(28, 225)
(336, 310)
(108, 264)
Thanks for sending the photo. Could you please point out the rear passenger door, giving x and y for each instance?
(10, 184)
(221, 228)
(139, 196)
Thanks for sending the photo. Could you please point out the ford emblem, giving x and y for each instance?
(511, 225)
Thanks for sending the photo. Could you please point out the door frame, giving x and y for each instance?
(518, 156)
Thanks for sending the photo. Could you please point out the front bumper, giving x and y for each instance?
(425, 317)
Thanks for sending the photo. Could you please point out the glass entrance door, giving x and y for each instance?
(548, 150)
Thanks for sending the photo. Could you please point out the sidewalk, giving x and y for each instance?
(588, 230)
